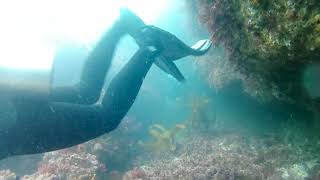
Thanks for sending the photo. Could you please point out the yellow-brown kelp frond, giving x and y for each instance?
(163, 139)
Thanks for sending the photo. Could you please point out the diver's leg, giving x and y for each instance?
(93, 72)
(97, 63)
(43, 126)
(96, 67)
(125, 86)
(79, 123)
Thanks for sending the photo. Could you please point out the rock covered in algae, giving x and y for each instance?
(67, 164)
(268, 44)
(7, 175)
(232, 156)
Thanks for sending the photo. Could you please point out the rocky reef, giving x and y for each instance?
(272, 47)
(7, 175)
(67, 164)
(225, 154)
(233, 156)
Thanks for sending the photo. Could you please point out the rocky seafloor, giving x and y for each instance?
(220, 156)
(234, 156)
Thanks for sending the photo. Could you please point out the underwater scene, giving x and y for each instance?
(160, 90)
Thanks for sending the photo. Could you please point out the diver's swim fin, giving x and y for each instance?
(201, 47)
(170, 68)
(175, 49)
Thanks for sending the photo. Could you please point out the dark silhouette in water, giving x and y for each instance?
(72, 115)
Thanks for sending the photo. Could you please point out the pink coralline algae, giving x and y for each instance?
(67, 164)
(136, 173)
(226, 157)
(7, 175)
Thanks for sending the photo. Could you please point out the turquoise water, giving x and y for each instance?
(174, 130)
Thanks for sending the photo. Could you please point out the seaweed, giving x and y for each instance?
(269, 43)
(163, 139)
(200, 119)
